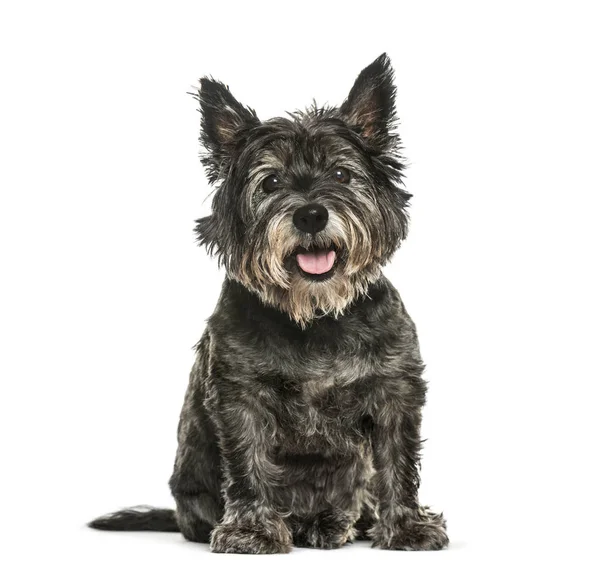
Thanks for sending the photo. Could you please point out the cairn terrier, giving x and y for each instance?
(301, 423)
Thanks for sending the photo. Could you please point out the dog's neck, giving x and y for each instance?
(248, 307)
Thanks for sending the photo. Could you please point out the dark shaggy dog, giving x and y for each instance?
(301, 423)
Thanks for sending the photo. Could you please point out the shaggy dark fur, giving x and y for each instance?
(301, 423)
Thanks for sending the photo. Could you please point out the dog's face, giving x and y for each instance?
(307, 208)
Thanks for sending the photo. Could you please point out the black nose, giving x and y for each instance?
(311, 218)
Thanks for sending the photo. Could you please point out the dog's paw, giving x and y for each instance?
(253, 538)
(327, 530)
(363, 526)
(419, 530)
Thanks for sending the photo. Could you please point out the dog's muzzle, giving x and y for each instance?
(312, 219)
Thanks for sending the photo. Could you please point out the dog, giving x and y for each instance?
(301, 422)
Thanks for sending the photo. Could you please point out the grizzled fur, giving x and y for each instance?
(301, 423)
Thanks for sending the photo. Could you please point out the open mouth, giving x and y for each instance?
(316, 263)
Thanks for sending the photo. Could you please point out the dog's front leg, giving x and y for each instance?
(403, 524)
(250, 523)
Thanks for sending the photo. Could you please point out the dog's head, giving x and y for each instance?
(308, 208)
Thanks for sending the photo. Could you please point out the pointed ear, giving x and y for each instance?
(224, 122)
(371, 105)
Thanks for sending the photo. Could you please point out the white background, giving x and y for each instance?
(103, 292)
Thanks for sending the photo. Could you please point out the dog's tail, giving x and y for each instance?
(138, 519)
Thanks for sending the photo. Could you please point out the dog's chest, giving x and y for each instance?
(312, 389)
(319, 407)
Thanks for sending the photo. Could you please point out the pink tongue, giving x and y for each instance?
(316, 262)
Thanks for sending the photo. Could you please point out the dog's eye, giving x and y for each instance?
(342, 175)
(271, 183)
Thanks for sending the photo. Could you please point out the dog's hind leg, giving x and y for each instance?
(196, 479)
(368, 518)
(329, 529)
(191, 510)
(342, 494)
